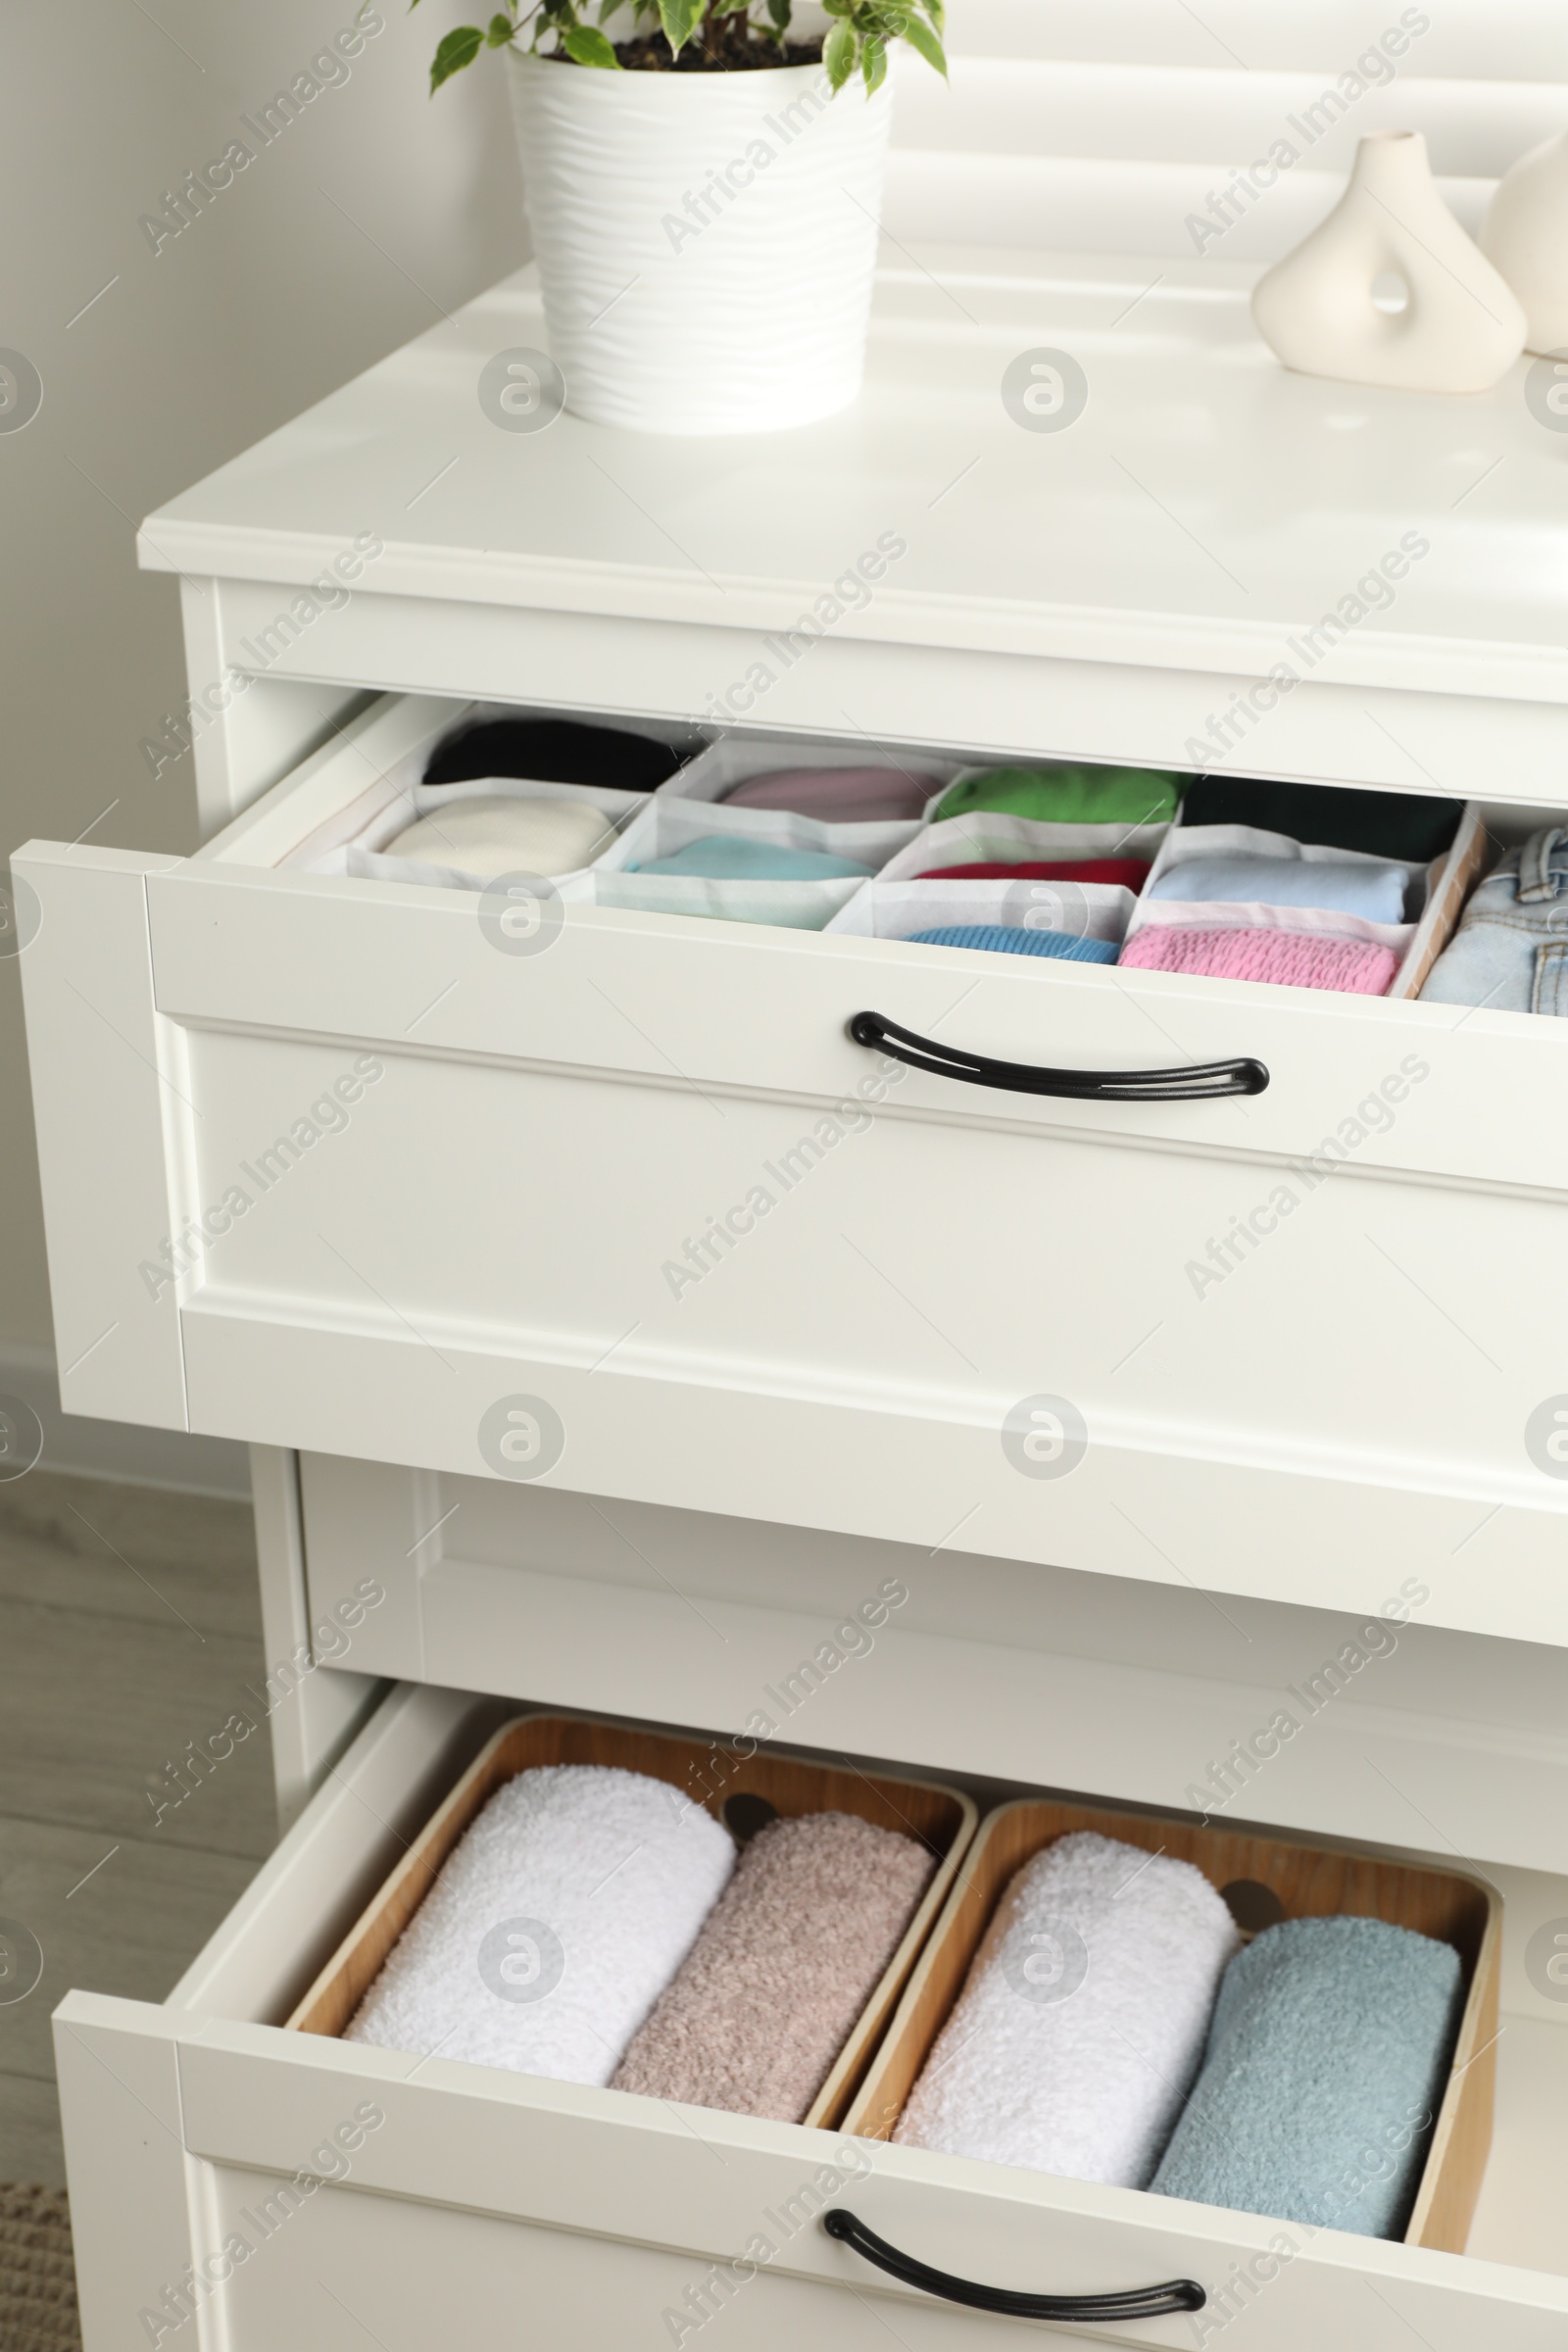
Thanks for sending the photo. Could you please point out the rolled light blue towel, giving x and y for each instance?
(1325, 2067)
(1376, 893)
(1014, 940)
(723, 857)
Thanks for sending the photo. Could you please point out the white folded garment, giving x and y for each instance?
(507, 836)
(1080, 2027)
(554, 1926)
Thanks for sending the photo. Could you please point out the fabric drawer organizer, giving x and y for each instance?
(962, 874)
(355, 840)
(747, 1796)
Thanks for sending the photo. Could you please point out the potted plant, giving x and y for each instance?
(704, 196)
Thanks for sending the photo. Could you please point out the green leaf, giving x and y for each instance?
(838, 54)
(937, 11)
(606, 9)
(680, 20)
(585, 46)
(874, 63)
(502, 30)
(920, 36)
(728, 8)
(779, 11)
(459, 48)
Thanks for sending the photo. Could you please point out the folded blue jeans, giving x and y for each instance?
(1510, 951)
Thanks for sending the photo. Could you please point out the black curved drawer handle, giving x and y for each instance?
(1138, 2303)
(1199, 1082)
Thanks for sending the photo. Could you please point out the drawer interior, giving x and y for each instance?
(257, 1967)
(360, 791)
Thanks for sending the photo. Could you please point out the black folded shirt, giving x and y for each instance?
(554, 751)
(1411, 827)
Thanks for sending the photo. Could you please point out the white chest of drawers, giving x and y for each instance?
(1339, 1415)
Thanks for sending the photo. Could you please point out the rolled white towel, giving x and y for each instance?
(1081, 2026)
(554, 1926)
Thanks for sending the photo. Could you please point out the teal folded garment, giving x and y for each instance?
(723, 857)
(1324, 2071)
(1010, 939)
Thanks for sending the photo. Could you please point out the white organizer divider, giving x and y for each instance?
(352, 839)
(669, 824)
(983, 835)
(883, 909)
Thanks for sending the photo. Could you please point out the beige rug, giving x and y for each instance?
(37, 2285)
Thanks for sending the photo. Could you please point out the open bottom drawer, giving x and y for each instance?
(306, 2191)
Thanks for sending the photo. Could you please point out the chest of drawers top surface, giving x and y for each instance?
(1205, 507)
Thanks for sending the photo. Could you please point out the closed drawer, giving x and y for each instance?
(635, 1215)
(277, 2181)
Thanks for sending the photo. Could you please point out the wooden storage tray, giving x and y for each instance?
(1310, 1881)
(941, 1818)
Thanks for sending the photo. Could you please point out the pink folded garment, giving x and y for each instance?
(839, 796)
(786, 1960)
(1356, 968)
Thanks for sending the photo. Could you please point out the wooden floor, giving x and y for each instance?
(128, 1626)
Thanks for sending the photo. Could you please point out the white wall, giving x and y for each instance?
(374, 210)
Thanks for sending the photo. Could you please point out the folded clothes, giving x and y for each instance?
(792, 1952)
(554, 1926)
(838, 796)
(735, 858)
(1409, 826)
(1067, 794)
(1323, 2074)
(488, 837)
(1012, 939)
(1082, 2021)
(1121, 873)
(1358, 967)
(1510, 951)
(553, 751)
(1376, 893)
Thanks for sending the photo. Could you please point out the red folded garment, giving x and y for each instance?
(1126, 873)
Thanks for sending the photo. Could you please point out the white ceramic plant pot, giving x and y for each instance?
(1460, 329)
(707, 242)
(1525, 235)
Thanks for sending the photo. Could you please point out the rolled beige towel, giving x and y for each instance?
(769, 1994)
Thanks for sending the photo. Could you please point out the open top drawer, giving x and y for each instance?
(630, 1211)
(277, 2180)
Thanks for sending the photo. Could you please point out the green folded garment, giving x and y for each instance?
(721, 858)
(1074, 793)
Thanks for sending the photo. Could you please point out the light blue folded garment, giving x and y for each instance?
(1325, 2068)
(1010, 938)
(1374, 892)
(723, 857)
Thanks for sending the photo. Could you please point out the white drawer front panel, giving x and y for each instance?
(433, 2202)
(645, 1180)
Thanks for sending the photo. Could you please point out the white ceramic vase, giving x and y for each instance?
(1525, 235)
(1460, 328)
(707, 242)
